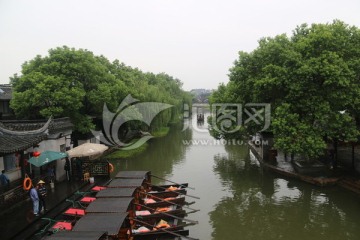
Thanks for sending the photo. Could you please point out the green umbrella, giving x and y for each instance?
(46, 157)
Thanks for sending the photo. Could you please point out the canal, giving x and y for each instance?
(240, 200)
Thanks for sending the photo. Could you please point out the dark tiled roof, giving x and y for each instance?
(11, 144)
(56, 125)
(28, 133)
(5, 91)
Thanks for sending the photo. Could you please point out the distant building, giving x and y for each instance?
(201, 95)
(5, 97)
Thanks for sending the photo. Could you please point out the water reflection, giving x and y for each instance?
(284, 193)
(161, 156)
(240, 200)
(264, 206)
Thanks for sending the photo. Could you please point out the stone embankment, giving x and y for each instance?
(351, 183)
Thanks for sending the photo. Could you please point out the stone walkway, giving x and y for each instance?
(19, 221)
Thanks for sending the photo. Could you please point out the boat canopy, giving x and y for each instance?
(134, 174)
(66, 235)
(116, 192)
(126, 183)
(110, 205)
(107, 222)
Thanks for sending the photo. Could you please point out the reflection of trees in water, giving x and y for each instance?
(161, 154)
(264, 206)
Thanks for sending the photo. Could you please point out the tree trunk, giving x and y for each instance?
(335, 160)
(353, 155)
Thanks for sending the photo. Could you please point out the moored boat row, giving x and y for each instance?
(128, 207)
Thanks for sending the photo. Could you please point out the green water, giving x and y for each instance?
(239, 200)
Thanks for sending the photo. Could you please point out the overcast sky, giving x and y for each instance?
(195, 41)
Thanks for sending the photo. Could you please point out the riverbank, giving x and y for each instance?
(349, 181)
(121, 154)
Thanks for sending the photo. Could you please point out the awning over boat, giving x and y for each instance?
(133, 174)
(125, 183)
(109, 205)
(107, 222)
(66, 235)
(116, 192)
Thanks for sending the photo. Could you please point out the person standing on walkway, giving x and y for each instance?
(51, 173)
(42, 191)
(67, 168)
(5, 182)
(35, 199)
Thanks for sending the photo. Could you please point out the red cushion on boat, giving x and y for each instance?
(63, 225)
(75, 211)
(87, 199)
(98, 188)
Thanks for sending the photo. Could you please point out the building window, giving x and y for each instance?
(4, 107)
(11, 161)
(62, 148)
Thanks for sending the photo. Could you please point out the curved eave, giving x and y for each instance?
(43, 129)
(11, 144)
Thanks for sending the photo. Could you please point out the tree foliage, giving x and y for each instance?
(75, 83)
(311, 80)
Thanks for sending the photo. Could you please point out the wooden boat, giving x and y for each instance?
(155, 202)
(166, 191)
(111, 213)
(159, 230)
(103, 210)
(162, 187)
(101, 226)
(153, 215)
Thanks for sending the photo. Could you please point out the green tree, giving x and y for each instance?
(76, 83)
(67, 82)
(311, 81)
